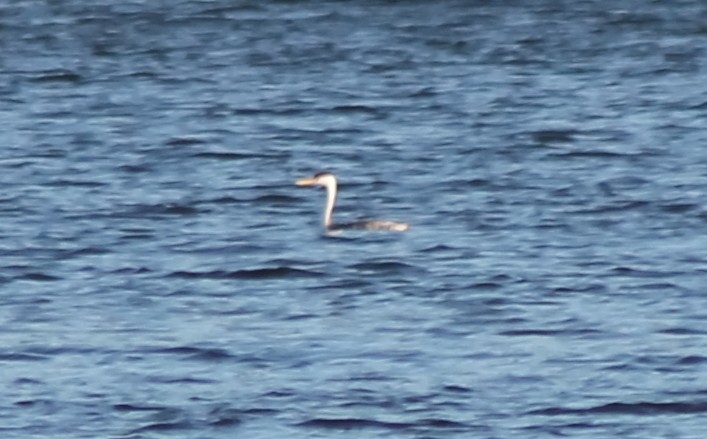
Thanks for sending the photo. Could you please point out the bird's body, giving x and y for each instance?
(328, 181)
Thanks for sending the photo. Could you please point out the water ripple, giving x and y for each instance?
(283, 272)
(622, 408)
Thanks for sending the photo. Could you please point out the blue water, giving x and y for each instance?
(161, 276)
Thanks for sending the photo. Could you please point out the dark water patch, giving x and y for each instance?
(662, 287)
(352, 423)
(274, 273)
(439, 248)
(485, 286)
(276, 199)
(591, 153)
(349, 109)
(621, 408)
(590, 288)
(139, 74)
(283, 262)
(453, 388)
(665, 362)
(281, 393)
(16, 163)
(259, 411)
(678, 208)
(224, 417)
(225, 421)
(361, 423)
(76, 183)
(38, 277)
(301, 316)
(157, 210)
(226, 199)
(282, 272)
(503, 277)
(132, 270)
(548, 332)
(135, 169)
(639, 273)
(680, 330)
(441, 424)
(246, 111)
(477, 183)
(59, 75)
(554, 136)
(465, 185)
(35, 402)
(189, 380)
(702, 105)
(137, 408)
(136, 232)
(186, 141)
(227, 155)
(86, 251)
(692, 360)
(27, 382)
(625, 182)
(423, 92)
(195, 353)
(79, 350)
(22, 356)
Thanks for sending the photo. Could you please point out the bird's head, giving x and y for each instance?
(324, 179)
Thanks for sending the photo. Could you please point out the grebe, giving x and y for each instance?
(328, 180)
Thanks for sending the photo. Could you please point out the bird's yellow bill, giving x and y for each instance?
(309, 181)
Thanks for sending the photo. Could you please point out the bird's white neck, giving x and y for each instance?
(330, 185)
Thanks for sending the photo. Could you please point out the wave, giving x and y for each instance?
(195, 353)
(623, 408)
(252, 274)
(360, 423)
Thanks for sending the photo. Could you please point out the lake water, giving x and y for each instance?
(162, 276)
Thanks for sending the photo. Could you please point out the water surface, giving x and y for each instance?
(163, 277)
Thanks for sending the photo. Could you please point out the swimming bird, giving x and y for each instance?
(328, 181)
